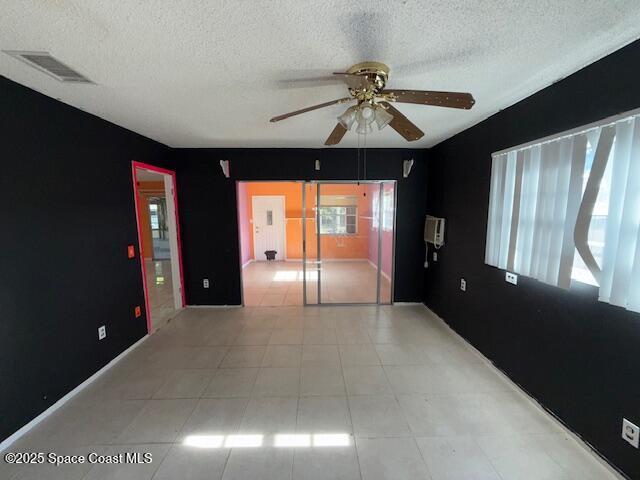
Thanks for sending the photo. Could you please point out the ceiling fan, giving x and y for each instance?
(366, 82)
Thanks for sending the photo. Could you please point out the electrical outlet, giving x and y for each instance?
(463, 285)
(630, 432)
(511, 278)
(205, 282)
(102, 332)
(435, 256)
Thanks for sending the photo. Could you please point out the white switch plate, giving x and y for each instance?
(205, 283)
(463, 285)
(630, 432)
(102, 332)
(511, 278)
(435, 256)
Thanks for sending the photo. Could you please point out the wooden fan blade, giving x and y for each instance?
(336, 135)
(308, 109)
(402, 124)
(308, 82)
(352, 80)
(429, 97)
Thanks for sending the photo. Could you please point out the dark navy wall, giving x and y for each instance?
(67, 210)
(208, 209)
(578, 357)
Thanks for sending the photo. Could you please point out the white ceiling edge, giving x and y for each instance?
(502, 104)
(505, 104)
(205, 73)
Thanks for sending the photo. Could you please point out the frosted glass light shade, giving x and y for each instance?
(366, 114)
(348, 118)
(382, 118)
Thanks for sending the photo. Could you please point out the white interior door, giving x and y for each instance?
(268, 226)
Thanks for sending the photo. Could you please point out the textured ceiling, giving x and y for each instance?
(205, 73)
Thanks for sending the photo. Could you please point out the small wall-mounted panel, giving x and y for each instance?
(511, 278)
(434, 230)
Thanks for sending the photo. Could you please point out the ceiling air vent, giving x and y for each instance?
(44, 62)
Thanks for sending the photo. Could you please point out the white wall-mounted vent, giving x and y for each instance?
(44, 62)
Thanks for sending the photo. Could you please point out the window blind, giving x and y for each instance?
(544, 201)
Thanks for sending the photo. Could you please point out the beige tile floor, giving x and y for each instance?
(361, 393)
(160, 289)
(277, 284)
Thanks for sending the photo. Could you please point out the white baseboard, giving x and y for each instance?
(214, 306)
(7, 442)
(328, 260)
(533, 402)
(247, 263)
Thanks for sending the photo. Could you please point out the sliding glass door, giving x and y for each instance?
(349, 242)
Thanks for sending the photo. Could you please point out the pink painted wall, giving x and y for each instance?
(243, 223)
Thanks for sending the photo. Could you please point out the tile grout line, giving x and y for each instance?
(237, 430)
(173, 443)
(529, 399)
(402, 412)
(353, 428)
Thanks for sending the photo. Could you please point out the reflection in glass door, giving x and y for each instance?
(159, 228)
(349, 242)
(310, 263)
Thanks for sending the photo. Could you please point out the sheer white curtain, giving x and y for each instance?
(541, 205)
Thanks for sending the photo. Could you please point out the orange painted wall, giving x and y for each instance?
(352, 246)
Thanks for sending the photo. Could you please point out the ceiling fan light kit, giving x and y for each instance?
(366, 82)
(364, 128)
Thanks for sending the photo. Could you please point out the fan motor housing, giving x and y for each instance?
(376, 72)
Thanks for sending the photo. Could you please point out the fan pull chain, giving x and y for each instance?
(358, 159)
(365, 156)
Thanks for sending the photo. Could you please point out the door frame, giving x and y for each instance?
(172, 175)
(283, 201)
(318, 239)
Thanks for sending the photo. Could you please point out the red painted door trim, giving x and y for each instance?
(153, 168)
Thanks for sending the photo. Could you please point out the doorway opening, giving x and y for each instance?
(349, 255)
(158, 243)
(332, 242)
(270, 220)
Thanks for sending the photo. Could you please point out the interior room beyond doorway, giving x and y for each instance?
(273, 223)
(158, 245)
